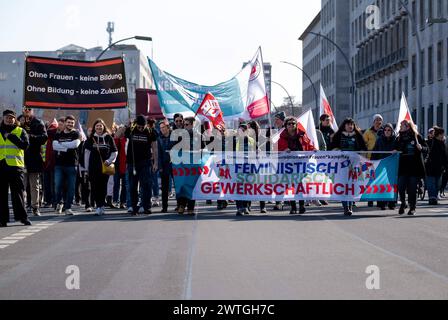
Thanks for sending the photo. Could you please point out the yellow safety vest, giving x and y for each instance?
(15, 157)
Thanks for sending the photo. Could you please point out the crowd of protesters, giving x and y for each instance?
(54, 165)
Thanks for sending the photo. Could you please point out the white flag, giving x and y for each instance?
(305, 122)
(257, 100)
(325, 108)
(404, 113)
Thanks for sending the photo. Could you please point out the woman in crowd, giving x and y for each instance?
(385, 142)
(411, 167)
(99, 148)
(348, 138)
(293, 139)
(436, 163)
(121, 197)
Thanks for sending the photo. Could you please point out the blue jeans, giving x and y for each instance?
(65, 175)
(142, 177)
(155, 184)
(120, 181)
(433, 186)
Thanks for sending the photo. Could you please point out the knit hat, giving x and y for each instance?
(141, 120)
(377, 116)
(281, 116)
(9, 113)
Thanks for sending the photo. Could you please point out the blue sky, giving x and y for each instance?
(198, 40)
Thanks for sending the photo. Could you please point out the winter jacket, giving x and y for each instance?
(345, 141)
(411, 159)
(384, 144)
(370, 137)
(436, 161)
(293, 143)
(37, 136)
(326, 132)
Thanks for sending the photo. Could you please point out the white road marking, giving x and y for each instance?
(29, 231)
(14, 238)
(8, 241)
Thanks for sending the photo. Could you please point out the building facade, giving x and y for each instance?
(322, 56)
(12, 70)
(384, 55)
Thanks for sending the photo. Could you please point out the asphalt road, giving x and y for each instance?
(216, 255)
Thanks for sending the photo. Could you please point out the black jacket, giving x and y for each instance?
(384, 144)
(411, 159)
(436, 161)
(37, 136)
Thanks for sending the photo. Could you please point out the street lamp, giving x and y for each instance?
(353, 91)
(143, 38)
(287, 93)
(309, 78)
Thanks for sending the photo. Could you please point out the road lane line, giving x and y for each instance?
(192, 252)
(3, 246)
(14, 238)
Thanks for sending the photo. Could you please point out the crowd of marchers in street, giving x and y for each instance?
(54, 165)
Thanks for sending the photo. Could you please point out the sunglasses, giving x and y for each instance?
(291, 124)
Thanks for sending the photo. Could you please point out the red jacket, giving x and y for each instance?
(121, 159)
(303, 142)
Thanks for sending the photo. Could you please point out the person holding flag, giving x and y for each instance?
(411, 165)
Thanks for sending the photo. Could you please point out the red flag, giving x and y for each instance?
(211, 110)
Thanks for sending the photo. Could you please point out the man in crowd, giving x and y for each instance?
(142, 150)
(279, 124)
(326, 129)
(370, 137)
(13, 143)
(65, 145)
(34, 163)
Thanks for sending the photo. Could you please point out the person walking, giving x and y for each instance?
(436, 162)
(411, 166)
(65, 145)
(326, 129)
(142, 149)
(34, 163)
(13, 143)
(348, 138)
(279, 124)
(165, 167)
(100, 149)
(293, 139)
(386, 142)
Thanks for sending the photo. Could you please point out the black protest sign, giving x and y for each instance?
(69, 84)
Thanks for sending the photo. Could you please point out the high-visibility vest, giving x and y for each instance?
(14, 156)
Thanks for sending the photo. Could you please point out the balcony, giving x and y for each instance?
(394, 61)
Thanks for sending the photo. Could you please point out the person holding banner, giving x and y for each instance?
(244, 144)
(279, 124)
(100, 149)
(348, 138)
(386, 142)
(293, 139)
(411, 166)
(13, 143)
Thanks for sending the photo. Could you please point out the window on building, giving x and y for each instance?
(383, 93)
(422, 68)
(440, 60)
(414, 13)
(430, 8)
(430, 65)
(431, 116)
(388, 92)
(400, 87)
(394, 90)
(439, 8)
(422, 14)
(440, 115)
(421, 125)
(414, 72)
